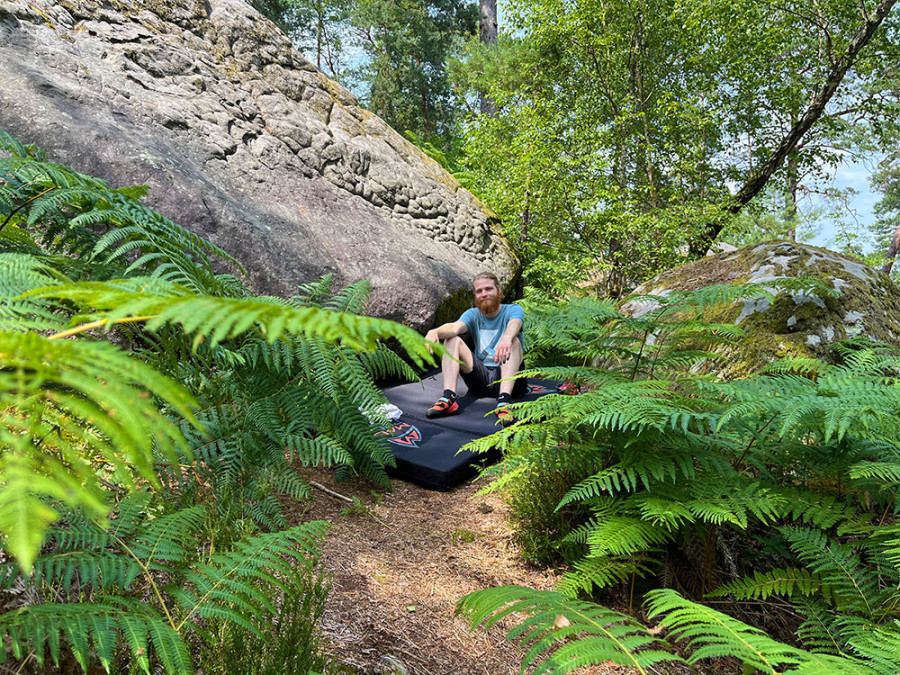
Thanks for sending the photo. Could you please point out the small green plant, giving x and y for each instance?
(462, 536)
(360, 508)
(287, 643)
(562, 634)
(103, 572)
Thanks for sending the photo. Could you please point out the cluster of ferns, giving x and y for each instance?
(155, 414)
(729, 506)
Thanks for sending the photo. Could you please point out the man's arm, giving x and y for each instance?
(446, 331)
(501, 352)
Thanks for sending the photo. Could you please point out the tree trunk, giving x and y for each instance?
(892, 252)
(793, 186)
(487, 33)
(814, 110)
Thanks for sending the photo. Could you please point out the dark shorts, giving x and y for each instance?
(482, 381)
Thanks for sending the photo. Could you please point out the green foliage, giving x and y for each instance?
(289, 644)
(102, 232)
(620, 128)
(408, 45)
(533, 493)
(451, 156)
(553, 619)
(68, 408)
(104, 305)
(562, 634)
(713, 634)
(781, 484)
(101, 570)
(215, 319)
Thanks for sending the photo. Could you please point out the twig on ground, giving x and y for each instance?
(330, 492)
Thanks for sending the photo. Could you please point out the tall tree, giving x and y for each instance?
(487, 34)
(887, 210)
(835, 62)
(407, 44)
(628, 130)
(317, 27)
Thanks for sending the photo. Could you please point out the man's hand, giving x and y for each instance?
(502, 351)
(432, 336)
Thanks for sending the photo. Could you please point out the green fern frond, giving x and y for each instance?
(167, 538)
(619, 535)
(66, 404)
(838, 566)
(562, 634)
(353, 298)
(213, 319)
(883, 472)
(637, 469)
(803, 366)
(711, 634)
(817, 632)
(223, 586)
(877, 644)
(588, 575)
(103, 570)
(92, 629)
(662, 511)
(315, 293)
(762, 585)
(20, 273)
(822, 510)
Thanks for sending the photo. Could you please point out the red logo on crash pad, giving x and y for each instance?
(403, 434)
(538, 389)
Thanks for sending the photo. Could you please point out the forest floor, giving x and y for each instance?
(399, 566)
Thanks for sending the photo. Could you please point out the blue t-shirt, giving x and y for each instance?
(487, 332)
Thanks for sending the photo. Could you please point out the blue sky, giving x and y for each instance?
(851, 175)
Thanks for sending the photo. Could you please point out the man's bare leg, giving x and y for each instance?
(450, 369)
(511, 367)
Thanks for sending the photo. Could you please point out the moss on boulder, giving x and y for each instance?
(795, 324)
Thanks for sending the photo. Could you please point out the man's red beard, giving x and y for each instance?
(488, 305)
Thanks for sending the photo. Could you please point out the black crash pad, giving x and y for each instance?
(427, 450)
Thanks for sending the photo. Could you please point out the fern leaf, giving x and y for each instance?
(214, 319)
(562, 634)
(55, 391)
(711, 634)
(89, 629)
(223, 585)
(762, 585)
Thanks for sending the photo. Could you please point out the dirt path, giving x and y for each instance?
(399, 571)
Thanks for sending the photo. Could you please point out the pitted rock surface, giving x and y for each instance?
(795, 324)
(244, 142)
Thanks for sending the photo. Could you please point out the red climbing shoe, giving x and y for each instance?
(443, 407)
(504, 416)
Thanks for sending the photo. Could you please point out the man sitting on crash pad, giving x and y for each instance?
(496, 330)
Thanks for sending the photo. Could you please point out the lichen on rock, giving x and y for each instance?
(794, 324)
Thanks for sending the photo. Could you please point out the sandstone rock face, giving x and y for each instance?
(795, 324)
(243, 142)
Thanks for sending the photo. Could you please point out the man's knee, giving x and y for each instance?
(452, 343)
(458, 349)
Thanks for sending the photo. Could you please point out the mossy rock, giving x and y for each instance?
(794, 324)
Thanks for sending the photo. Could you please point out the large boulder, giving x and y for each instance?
(795, 324)
(244, 142)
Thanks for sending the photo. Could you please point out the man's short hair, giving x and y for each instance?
(487, 275)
